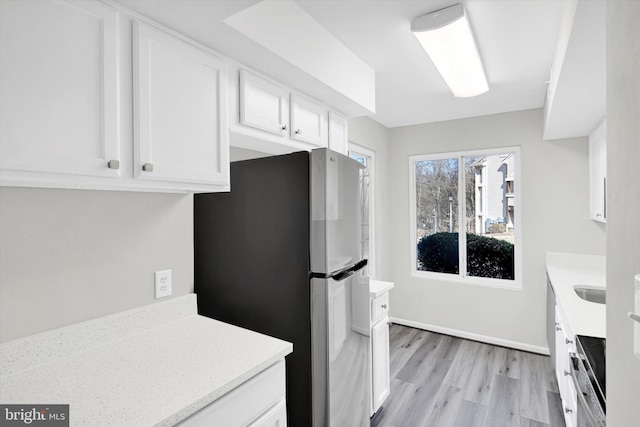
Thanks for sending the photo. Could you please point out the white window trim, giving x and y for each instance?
(461, 277)
(359, 149)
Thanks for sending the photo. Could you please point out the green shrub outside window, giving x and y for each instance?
(486, 256)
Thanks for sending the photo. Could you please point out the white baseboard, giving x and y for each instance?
(475, 337)
(358, 329)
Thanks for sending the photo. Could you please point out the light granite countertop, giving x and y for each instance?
(566, 270)
(379, 287)
(154, 365)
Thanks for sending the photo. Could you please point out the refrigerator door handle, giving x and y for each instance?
(341, 274)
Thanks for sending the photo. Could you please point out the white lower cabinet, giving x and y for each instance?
(570, 406)
(565, 345)
(275, 417)
(380, 368)
(380, 362)
(259, 402)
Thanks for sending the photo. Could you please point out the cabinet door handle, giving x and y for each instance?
(568, 341)
(113, 164)
(567, 373)
(634, 316)
(384, 306)
(568, 411)
(283, 127)
(298, 132)
(558, 328)
(147, 167)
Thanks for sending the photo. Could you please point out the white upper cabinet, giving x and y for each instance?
(273, 118)
(308, 121)
(59, 83)
(338, 133)
(576, 92)
(74, 115)
(598, 172)
(180, 110)
(263, 105)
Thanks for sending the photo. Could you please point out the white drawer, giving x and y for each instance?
(379, 307)
(244, 404)
(276, 417)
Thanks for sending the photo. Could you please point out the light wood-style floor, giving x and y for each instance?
(439, 380)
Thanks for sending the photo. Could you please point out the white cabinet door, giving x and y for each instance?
(308, 121)
(338, 133)
(180, 110)
(59, 86)
(379, 307)
(275, 417)
(258, 402)
(570, 406)
(380, 362)
(562, 357)
(598, 173)
(565, 344)
(263, 105)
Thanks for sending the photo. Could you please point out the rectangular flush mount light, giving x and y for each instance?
(446, 36)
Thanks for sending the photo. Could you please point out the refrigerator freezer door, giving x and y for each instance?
(339, 211)
(340, 352)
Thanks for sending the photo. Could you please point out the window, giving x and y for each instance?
(465, 221)
(367, 158)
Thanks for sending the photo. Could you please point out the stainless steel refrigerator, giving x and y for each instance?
(285, 253)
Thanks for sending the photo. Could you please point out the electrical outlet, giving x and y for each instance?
(163, 283)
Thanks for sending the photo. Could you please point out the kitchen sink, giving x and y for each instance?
(591, 293)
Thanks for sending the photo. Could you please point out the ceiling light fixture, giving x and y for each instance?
(446, 36)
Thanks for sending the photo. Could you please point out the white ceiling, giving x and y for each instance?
(517, 41)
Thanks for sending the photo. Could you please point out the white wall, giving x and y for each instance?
(555, 217)
(370, 134)
(70, 255)
(623, 206)
(237, 154)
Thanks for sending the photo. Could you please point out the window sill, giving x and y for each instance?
(513, 285)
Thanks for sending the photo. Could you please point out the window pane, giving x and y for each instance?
(437, 215)
(368, 240)
(490, 209)
(366, 214)
(361, 158)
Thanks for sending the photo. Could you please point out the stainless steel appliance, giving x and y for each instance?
(588, 372)
(285, 253)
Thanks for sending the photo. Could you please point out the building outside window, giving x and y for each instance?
(464, 216)
(494, 182)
